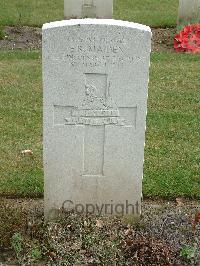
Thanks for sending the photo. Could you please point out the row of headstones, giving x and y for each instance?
(95, 76)
(189, 10)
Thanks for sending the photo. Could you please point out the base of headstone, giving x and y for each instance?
(189, 12)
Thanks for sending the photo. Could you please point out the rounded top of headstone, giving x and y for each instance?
(109, 22)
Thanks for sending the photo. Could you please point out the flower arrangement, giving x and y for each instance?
(188, 40)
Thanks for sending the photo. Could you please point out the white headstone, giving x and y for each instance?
(88, 9)
(95, 75)
(189, 12)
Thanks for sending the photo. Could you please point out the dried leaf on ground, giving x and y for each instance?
(27, 152)
(196, 221)
(99, 223)
(180, 201)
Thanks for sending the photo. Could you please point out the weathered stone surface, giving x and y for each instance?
(189, 12)
(88, 9)
(95, 75)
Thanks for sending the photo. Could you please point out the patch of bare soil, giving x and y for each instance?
(30, 38)
(163, 40)
(166, 234)
(23, 38)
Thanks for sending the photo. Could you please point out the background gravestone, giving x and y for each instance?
(88, 9)
(95, 75)
(189, 12)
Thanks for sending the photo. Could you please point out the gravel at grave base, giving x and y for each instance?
(30, 38)
(159, 236)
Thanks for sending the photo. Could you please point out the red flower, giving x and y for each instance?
(188, 40)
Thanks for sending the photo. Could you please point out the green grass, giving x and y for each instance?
(172, 153)
(157, 13)
(172, 157)
(2, 33)
(30, 12)
(20, 123)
